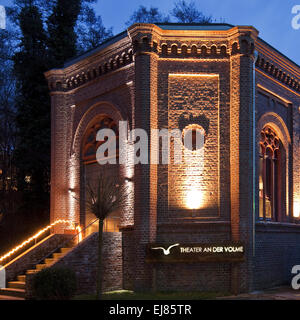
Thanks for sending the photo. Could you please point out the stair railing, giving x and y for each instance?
(72, 240)
(21, 248)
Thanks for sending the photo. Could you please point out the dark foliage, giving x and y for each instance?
(187, 12)
(54, 284)
(45, 35)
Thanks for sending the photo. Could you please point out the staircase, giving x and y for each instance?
(16, 289)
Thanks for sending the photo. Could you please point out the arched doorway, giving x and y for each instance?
(90, 169)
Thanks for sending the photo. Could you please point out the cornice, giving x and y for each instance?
(175, 44)
(278, 68)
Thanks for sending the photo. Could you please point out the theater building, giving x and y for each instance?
(227, 217)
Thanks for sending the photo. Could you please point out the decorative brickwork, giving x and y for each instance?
(165, 77)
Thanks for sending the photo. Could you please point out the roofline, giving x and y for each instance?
(101, 46)
(279, 52)
(124, 34)
(193, 24)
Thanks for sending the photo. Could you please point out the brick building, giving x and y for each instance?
(243, 187)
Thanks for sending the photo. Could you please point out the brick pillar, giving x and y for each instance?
(145, 189)
(295, 161)
(60, 150)
(241, 154)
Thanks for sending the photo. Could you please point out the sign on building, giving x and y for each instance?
(178, 252)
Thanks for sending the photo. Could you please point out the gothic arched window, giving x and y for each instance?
(271, 171)
(90, 145)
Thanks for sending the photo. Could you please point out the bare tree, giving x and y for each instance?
(187, 12)
(105, 197)
(144, 15)
(7, 124)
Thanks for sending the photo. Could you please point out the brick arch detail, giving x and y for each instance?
(74, 164)
(105, 108)
(277, 123)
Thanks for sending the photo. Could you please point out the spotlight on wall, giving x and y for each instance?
(297, 209)
(193, 199)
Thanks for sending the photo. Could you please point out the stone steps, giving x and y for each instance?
(21, 278)
(16, 285)
(16, 289)
(12, 292)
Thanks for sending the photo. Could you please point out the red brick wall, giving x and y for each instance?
(277, 247)
(195, 95)
(83, 261)
(217, 111)
(142, 93)
(128, 242)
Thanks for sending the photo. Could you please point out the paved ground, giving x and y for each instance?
(279, 293)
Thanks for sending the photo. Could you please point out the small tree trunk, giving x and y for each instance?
(100, 264)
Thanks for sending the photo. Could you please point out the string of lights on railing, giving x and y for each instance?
(40, 232)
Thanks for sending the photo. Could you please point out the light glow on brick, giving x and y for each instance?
(194, 199)
(201, 75)
(72, 193)
(79, 230)
(297, 209)
(194, 178)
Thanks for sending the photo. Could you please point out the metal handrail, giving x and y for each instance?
(66, 242)
(17, 250)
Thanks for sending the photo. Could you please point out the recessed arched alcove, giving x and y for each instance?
(84, 168)
(91, 170)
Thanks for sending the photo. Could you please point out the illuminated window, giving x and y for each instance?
(90, 145)
(271, 176)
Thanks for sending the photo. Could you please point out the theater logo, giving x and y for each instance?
(175, 253)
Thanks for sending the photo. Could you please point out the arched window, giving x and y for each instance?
(90, 145)
(271, 170)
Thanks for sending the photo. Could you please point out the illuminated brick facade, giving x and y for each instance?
(174, 76)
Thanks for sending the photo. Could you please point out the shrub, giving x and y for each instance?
(54, 284)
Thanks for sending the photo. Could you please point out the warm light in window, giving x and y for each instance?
(193, 199)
